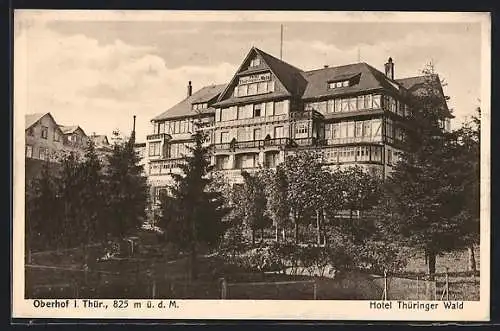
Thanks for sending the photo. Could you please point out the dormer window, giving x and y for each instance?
(200, 106)
(337, 84)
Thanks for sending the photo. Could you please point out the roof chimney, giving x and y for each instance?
(189, 89)
(389, 68)
(325, 66)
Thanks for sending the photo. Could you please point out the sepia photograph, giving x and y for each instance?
(177, 158)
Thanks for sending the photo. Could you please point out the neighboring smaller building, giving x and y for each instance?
(44, 138)
(74, 137)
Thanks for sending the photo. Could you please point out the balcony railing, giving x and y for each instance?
(165, 166)
(305, 115)
(275, 142)
(252, 121)
(353, 140)
(157, 136)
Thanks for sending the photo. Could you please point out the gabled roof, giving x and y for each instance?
(100, 140)
(415, 84)
(290, 76)
(184, 108)
(68, 128)
(369, 79)
(32, 119)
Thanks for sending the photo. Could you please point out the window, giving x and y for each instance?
(278, 132)
(345, 104)
(368, 101)
(45, 132)
(361, 102)
(376, 101)
(389, 157)
(56, 136)
(352, 104)
(255, 62)
(29, 151)
(224, 137)
(359, 129)
(350, 129)
(256, 134)
(345, 83)
(256, 111)
(330, 108)
(338, 84)
(245, 161)
(43, 153)
(335, 131)
(262, 87)
(245, 111)
(222, 162)
(241, 134)
(217, 115)
(301, 128)
(154, 148)
(269, 108)
(252, 89)
(271, 159)
(229, 114)
(279, 108)
(367, 129)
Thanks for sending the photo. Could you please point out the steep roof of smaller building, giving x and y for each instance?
(184, 108)
(31, 119)
(100, 140)
(68, 128)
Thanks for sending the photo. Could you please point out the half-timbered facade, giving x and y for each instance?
(354, 114)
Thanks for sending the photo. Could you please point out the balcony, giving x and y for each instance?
(158, 136)
(267, 143)
(355, 140)
(163, 167)
(305, 115)
(252, 121)
(258, 144)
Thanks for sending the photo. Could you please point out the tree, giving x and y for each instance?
(42, 206)
(277, 208)
(70, 186)
(303, 172)
(92, 197)
(127, 191)
(194, 210)
(467, 157)
(253, 203)
(424, 192)
(360, 192)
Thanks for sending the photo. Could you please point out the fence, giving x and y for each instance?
(270, 290)
(446, 286)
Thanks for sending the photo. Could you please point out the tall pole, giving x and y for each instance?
(281, 43)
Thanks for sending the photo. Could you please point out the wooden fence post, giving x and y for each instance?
(447, 286)
(418, 290)
(224, 289)
(315, 291)
(384, 295)
(154, 289)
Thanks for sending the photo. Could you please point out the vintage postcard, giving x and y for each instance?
(251, 165)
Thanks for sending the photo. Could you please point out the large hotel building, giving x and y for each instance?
(354, 114)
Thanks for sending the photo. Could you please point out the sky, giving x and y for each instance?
(99, 73)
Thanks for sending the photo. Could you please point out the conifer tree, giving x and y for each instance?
(127, 191)
(424, 190)
(193, 214)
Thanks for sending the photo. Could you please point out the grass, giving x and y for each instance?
(161, 275)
